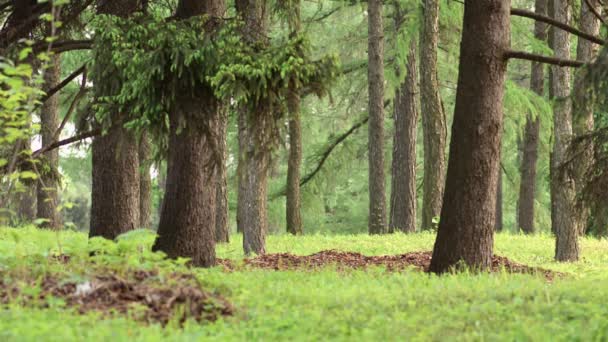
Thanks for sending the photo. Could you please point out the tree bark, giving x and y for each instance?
(222, 229)
(375, 51)
(583, 108)
(562, 177)
(188, 219)
(145, 182)
(48, 183)
(254, 159)
(294, 164)
(115, 188)
(527, 187)
(403, 189)
(498, 225)
(433, 117)
(466, 227)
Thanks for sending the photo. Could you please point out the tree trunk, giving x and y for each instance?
(115, 188)
(527, 187)
(293, 205)
(466, 227)
(403, 189)
(583, 108)
(222, 229)
(498, 225)
(145, 182)
(562, 177)
(188, 218)
(434, 124)
(375, 51)
(48, 183)
(254, 159)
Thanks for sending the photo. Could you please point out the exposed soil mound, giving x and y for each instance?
(139, 294)
(353, 260)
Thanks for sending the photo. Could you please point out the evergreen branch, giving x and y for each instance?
(595, 12)
(76, 138)
(63, 83)
(542, 59)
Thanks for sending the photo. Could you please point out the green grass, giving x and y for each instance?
(326, 305)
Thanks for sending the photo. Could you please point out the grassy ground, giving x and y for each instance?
(326, 305)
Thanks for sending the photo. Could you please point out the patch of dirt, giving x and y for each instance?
(393, 263)
(139, 294)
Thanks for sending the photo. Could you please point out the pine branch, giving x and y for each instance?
(76, 138)
(63, 83)
(595, 12)
(542, 59)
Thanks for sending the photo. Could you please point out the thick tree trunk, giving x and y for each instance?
(466, 227)
(498, 225)
(583, 108)
(48, 184)
(403, 189)
(375, 74)
(115, 188)
(188, 219)
(145, 182)
(434, 124)
(293, 198)
(222, 229)
(562, 177)
(254, 159)
(527, 187)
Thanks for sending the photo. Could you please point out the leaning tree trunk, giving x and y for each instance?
(583, 108)
(294, 164)
(222, 230)
(527, 187)
(434, 124)
(466, 228)
(145, 182)
(566, 248)
(403, 189)
(375, 74)
(48, 184)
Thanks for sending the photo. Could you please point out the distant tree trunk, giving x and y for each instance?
(48, 184)
(26, 201)
(466, 227)
(434, 124)
(145, 182)
(498, 225)
(188, 219)
(403, 189)
(583, 108)
(222, 229)
(375, 51)
(562, 178)
(527, 187)
(254, 156)
(115, 188)
(293, 205)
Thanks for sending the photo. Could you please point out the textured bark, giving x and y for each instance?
(498, 223)
(115, 188)
(466, 227)
(294, 164)
(562, 177)
(527, 187)
(254, 159)
(188, 219)
(433, 117)
(375, 74)
(583, 108)
(48, 183)
(403, 180)
(222, 229)
(145, 182)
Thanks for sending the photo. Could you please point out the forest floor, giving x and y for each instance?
(61, 287)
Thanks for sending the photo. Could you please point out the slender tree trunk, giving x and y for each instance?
(115, 189)
(48, 184)
(255, 153)
(145, 182)
(375, 51)
(434, 124)
(583, 108)
(293, 205)
(562, 178)
(466, 228)
(222, 229)
(188, 219)
(527, 187)
(403, 189)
